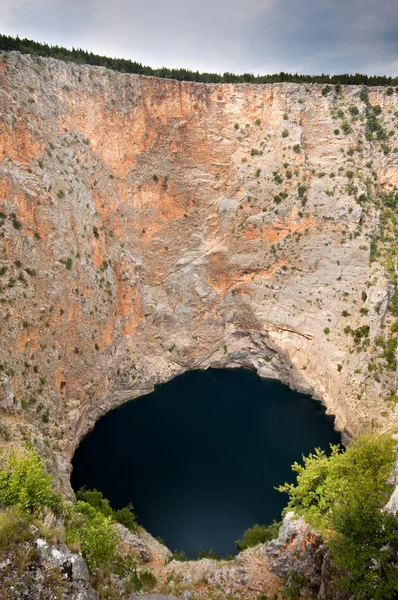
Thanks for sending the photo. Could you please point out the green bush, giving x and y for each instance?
(125, 516)
(344, 496)
(394, 327)
(258, 534)
(24, 482)
(364, 97)
(93, 531)
(95, 499)
(301, 190)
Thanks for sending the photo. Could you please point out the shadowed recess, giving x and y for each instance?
(200, 456)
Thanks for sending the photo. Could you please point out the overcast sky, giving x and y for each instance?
(258, 36)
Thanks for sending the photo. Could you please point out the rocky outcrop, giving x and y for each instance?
(299, 550)
(72, 568)
(38, 569)
(153, 226)
(145, 547)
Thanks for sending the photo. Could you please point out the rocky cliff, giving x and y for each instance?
(151, 226)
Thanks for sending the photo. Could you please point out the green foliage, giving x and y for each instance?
(125, 516)
(60, 194)
(178, 555)
(24, 482)
(389, 199)
(147, 580)
(285, 133)
(326, 90)
(373, 126)
(68, 262)
(96, 232)
(92, 530)
(346, 127)
(77, 55)
(207, 554)
(297, 148)
(364, 97)
(294, 591)
(343, 496)
(394, 327)
(360, 333)
(14, 529)
(389, 353)
(258, 534)
(301, 190)
(95, 499)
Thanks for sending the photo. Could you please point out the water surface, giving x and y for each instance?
(200, 456)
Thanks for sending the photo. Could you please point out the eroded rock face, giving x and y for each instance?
(300, 550)
(151, 226)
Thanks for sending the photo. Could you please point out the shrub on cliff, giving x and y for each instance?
(258, 534)
(93, 532)
(125, 516)
(25, 483)
(96, 500)
(344, 496)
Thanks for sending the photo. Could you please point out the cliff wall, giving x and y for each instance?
(152, 226)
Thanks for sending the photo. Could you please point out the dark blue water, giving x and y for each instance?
(200, 456)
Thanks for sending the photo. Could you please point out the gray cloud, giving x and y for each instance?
(260, 36)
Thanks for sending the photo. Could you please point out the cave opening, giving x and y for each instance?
(199, 457)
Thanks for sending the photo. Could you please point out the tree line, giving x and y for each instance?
(79, 56)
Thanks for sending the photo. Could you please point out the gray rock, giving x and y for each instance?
(300, 549)
(72, 567)
(131, 542)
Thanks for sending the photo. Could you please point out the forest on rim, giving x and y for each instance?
(79, 56)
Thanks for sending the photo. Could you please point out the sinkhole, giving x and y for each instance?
(199, 457)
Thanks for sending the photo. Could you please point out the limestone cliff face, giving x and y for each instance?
(151, 226)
